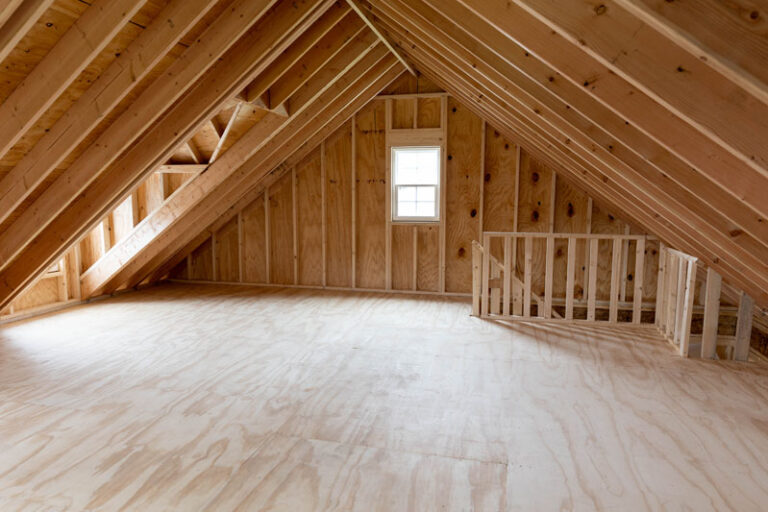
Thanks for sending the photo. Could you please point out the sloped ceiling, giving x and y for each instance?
(657, 108)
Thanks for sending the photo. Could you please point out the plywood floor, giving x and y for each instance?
(233, 398)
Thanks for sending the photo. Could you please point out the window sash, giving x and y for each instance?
(416, 218)
(396, 186)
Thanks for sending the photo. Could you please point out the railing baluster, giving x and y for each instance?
(507, 275)
(477, 265)
(486, 272)
(527, 284)
(690, 288)
(549, 277)
(711, 315)
(680, 297)
(570, 278)
(639, 278)
(592, 289)
(495, 290)
(613, 315)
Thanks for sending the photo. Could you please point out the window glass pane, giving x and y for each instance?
(406, 193)
(426, 194)
(425, 209)
(416, 166)
(406, 208)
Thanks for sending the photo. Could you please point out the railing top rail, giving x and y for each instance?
(590, 236)
(682, 255)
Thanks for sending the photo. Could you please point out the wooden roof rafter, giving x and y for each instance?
(214, 82)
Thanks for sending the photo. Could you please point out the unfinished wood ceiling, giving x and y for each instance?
(659, 109)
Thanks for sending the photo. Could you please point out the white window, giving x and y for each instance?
(416, 184)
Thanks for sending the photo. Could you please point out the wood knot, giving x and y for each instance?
(600, 9)
(473, 213)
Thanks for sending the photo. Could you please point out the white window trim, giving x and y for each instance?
(394, 188)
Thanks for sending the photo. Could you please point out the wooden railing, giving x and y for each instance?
(674, 297)
(501, 289)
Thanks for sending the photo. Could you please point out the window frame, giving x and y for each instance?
(394, 187)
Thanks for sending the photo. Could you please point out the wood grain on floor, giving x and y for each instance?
(186, 397)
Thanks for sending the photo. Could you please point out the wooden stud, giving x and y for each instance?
(443, 188)
(743, 328)
(570, 280)
(624, 265)
(517, 290)
(388, 195)
(687, 315)
(240, 248)
(495, 290)
(353, 220)
(615, 281)
(481, 207)
(477, 284)
(295, 226)
(267, 236)
(323, 212)
(508, 240)
(549, 275)
(592, 293)
(711, 315)
(415, 258)
(485, 274)
(639, 278)
(528, 245)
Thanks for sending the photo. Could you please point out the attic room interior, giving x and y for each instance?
(387, 255)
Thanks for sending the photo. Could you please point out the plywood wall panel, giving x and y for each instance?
(201, 262)
(571, 216)
(174, 180)
(91, 248)
(150, 195)
(463, 182)
(535, 195)
(402, 256)
(309, 206)
(45, 291)
(227, 253)
(281, 225)
(371, 186)
(402, 113)
(338, 210)
(490, 184)
(499, 182)
(428, 259)
(254, 242)
(428, 114)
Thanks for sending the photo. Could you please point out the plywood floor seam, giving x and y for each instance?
(214, 397)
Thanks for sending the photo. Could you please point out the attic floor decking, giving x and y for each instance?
(234, 398)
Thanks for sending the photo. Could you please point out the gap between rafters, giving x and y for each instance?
(381, 36)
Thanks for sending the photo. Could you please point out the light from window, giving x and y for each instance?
(415, 184)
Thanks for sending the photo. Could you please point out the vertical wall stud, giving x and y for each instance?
(323, 213)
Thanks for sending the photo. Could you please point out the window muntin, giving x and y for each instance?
(416, 184)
